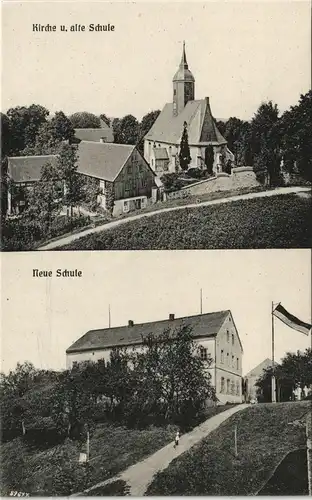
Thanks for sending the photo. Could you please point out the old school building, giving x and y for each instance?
(215, 333)
(117, 168)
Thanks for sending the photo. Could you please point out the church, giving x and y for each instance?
(208, 148)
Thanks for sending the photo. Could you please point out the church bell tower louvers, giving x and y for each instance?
(183, 85)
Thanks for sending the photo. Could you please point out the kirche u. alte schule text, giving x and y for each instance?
(73, 27)
(58, 273)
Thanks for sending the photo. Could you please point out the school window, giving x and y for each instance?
(232, 361)
(228, 386)
(237, 364)
(232, 339)
(237, 389)
(232, 388)
(203, 353)
(126, 206)
(227, 359)
(222, 384)
(222, 356)
(227, 336)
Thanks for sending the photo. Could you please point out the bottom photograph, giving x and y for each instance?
(177, 373)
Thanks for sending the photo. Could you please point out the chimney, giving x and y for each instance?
(130, 322)
(171, 317)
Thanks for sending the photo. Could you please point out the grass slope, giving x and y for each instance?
(112, 449)
(211, 468)
(276, 222)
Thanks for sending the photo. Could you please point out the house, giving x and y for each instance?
(119, 169)
(215, 333)
(103, 134)
(252, 377)
(208, 148)
(22, 173)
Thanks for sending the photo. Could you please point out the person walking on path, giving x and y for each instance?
(176, 440)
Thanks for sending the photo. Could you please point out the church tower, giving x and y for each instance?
(183, 85)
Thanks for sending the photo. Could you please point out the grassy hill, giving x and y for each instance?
(211, 468)
(269, 222)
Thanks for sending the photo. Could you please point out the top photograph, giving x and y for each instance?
(156, 126)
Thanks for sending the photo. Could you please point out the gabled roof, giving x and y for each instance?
(102, 160)
(203, 325)
(95, 134)
(28, 168)
(257, 370)
(161, 154)
(201, 126)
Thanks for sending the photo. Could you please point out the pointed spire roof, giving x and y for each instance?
(183, 73)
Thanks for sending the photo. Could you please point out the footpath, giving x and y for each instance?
(140, 475)
(105, 227)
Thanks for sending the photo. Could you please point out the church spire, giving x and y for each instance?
(183, 63)
(183, 85)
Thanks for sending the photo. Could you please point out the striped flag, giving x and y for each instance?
(291, 321)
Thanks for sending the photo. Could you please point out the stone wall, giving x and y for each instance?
(241, 177)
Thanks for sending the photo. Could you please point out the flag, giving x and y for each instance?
(291, 321)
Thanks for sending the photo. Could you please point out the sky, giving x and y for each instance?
(42, 317)
(241, 54)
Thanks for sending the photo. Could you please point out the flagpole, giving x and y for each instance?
(273, 391)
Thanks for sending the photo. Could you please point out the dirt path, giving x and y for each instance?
(139, 476)
(105, 227)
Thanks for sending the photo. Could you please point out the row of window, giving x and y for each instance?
(228, 337)
(229, 361)
(230, 387)
(233, 364)
(129, 184)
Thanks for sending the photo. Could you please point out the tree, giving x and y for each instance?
(24, 125)
(110, 198)
(265, 143)
(51, 134)
(83, 119)
(44, 201)
(126, 130)
(146, 124)
(171, 182)
(73, 184)
(296, 140)
(184, 153)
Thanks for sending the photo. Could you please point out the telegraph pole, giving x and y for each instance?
(273, 382)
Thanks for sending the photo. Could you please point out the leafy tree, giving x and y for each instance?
(221, 126)
(73, 183)
(265, 143)
(184, 153)
(296, 140)
(110, 198)
(126, 130)
(91, 190)
(44, 201)
(25, 123)
(83, 119)
(51, 134)
(171, 182)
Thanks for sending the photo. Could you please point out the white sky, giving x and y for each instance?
(42, 317)
(241, 53)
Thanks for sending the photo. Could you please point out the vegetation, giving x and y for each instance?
(294, 372)
(130, 406)
(184, 153)
(83, 119)
(264, 436)
(277, 222)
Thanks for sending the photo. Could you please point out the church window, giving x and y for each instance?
(222, 356)
(222, 384)
(203, 353)
(174, 92)
(232, 388)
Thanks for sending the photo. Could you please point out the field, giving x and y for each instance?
(275, 222)
(264, 437)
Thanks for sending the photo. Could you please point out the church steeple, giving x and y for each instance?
(183, 85)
